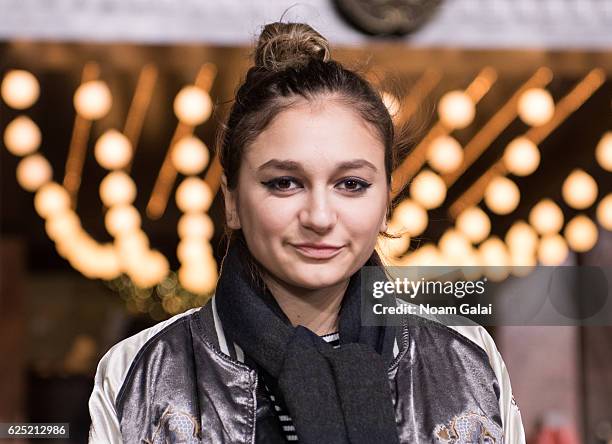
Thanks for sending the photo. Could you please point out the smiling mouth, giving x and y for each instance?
(318, 252)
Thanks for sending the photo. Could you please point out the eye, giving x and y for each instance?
(355, 185)
(280, 184)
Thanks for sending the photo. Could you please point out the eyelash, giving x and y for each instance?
(272, 184)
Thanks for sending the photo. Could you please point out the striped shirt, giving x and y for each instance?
(279, 405)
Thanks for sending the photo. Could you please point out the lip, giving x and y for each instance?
(318, 251)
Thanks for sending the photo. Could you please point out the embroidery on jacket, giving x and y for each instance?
(469, 428)
(176, 427)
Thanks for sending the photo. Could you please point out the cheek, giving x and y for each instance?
(364, 217)
(266, 216)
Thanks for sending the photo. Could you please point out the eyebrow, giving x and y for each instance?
(291, 165)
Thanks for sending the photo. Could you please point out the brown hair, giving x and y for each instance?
(292, 62)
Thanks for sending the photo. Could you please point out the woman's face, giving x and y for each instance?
(316, 175)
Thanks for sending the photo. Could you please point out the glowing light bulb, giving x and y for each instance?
(552, 250)
(393, 247)
(603, 152)
(502, 195)
(62, 225)
(410, 217)
(521, 156)
(455, 246)
(192, 105)
(521, 238)
(579, 190)
(22, 136)
(427, 255)
(33, 171)
(428, 189)
(474, 223)
(495, 258)
(122, 219)
(51, 199)
(445, 154)
(199, 279)
(93, 100)
(192, 250)
(190, 156)
(581, 233)
(154, 268)
(19, 89)
(193, 195)
(196, 225)
(604, 212)
(546, 217)
(536, 106)
(117, 188)
(456, 110)
(113, 150)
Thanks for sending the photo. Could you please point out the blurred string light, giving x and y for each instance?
(444, 154)
(393, 248)
(19, 89)
(546, 217)
(523, 247)
(566, 106)
(604, 212)
(411, 165)
(501, 195)
(410, 217)
(454, 246)
(581, 233)
(33, 171)
(552, 249)
(192, 107)
(22, 136)
(521, 157)
(456, 110)
(117, 188)
(506, 114)
(522, 241)
(603, 152)
(428, 189)
(494, 256)
(113, 150)
(130, 253)
(426, 255)
(93, 100)
(536, 106)
(579, 190)
(474, 223)
(190, 156)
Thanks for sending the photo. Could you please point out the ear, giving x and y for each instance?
(231, 210)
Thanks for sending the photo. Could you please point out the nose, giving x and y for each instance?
(318, 212)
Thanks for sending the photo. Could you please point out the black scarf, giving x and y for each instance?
(333, 395)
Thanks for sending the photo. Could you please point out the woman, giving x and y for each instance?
(280, 353)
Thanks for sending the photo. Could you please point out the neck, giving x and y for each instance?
(316, 310)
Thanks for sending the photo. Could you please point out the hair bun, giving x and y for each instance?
(284, 45)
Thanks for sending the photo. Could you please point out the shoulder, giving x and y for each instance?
(115, 364)
(112, 372)
(444, 332)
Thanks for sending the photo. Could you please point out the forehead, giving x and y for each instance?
(317, 134)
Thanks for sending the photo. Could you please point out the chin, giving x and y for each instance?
(318, 276)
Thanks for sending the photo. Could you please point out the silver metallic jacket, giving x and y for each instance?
(180, 381)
